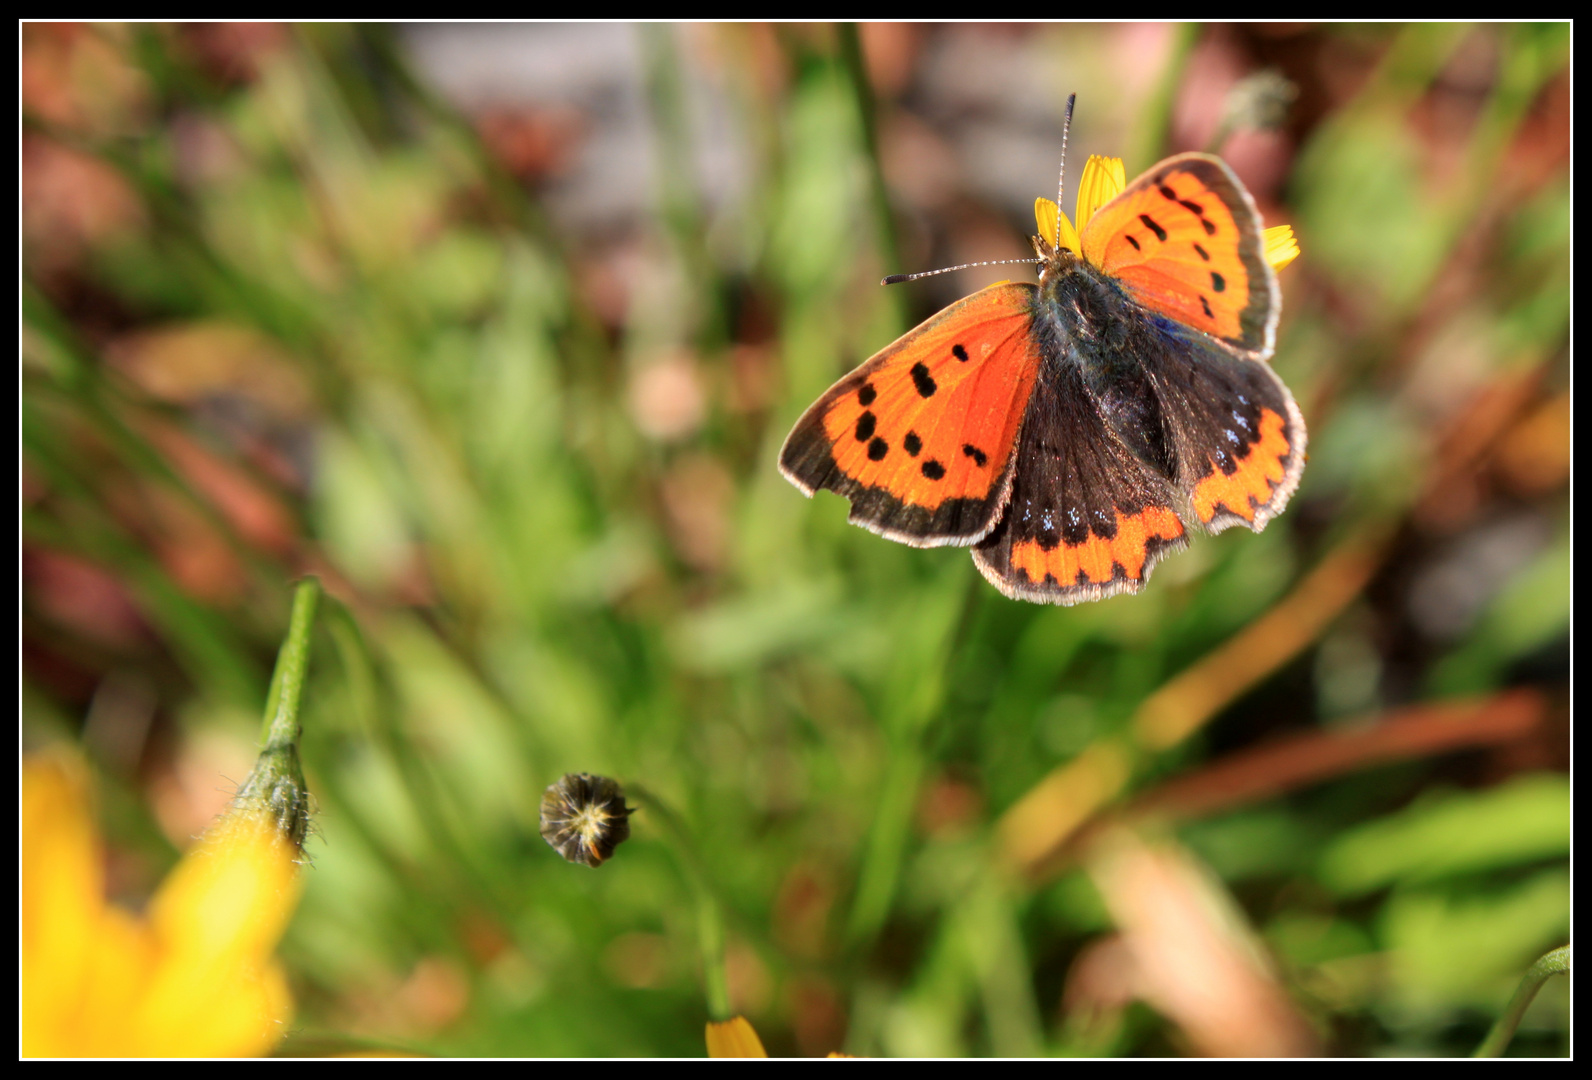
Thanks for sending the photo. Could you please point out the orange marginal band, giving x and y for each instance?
(1250, 485)
(1097, 558)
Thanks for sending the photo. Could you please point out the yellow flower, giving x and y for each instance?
(1103, 180)
(194, 977)
(734, 1038)
(1281, 247)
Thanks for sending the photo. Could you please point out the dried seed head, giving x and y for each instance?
(584, 817)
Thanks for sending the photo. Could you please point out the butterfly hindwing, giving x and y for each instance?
(1088, 517)
(1237, 438)
(1185, 240)
(920, 437)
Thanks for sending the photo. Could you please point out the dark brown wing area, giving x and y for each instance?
(1236, 435)
(1087, 518)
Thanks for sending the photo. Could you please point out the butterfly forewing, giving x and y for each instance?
(1185, 241)
(920, 437)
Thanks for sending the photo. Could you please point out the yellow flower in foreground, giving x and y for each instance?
(193, 978)
(1103, 180)
(734, 1038)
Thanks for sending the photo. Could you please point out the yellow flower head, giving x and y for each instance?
(193, 978)
(1103, 180)
(734, 1038)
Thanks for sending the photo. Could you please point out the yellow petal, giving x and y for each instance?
(734, 1038)
(62, 902)
(1053, 224)
(1103, 180)
(232, 894)
(1281, 247)
(125, 959)
(196, 978)
(218, 917)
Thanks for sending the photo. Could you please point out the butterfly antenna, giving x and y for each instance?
(1061, 181)
(896, 279)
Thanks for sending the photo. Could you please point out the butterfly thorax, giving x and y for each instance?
(1080, 303)
(1093, 332)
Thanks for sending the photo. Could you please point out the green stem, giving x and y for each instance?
(710, 915)
(280, 725)
(680, 207)
(1556, 962)
(1155, 118)
(880, 870)
(932, 643)
(867, 117)
(276, 785)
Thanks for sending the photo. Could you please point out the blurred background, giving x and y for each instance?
(498, 330)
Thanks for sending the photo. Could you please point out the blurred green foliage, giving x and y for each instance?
(294, 316)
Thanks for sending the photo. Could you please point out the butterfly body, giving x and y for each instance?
(1068, 430)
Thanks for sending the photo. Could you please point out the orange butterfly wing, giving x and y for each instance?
(1185, 240)
(920, 437)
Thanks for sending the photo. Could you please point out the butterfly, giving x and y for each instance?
(1072, 431)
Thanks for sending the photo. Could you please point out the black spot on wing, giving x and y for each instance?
(923, 380)
(877, 450)
(1218, 282)
(912, 443)
(979, 457)
(959, 352)
(866, 394)
(1154, 226)
(865, 426)
(933, 469)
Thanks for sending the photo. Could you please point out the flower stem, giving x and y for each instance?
(276, 785)
(280, 725)
(856, 69)
(1556, 962)
(710, 916)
